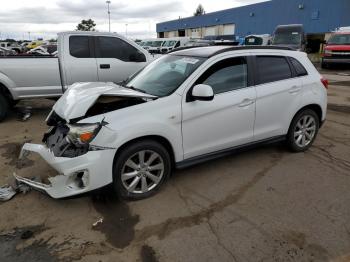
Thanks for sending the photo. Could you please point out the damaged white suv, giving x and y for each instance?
(187, 107)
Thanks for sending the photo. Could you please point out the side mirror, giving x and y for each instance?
(202, 93)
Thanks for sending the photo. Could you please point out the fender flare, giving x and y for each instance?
(7, 86)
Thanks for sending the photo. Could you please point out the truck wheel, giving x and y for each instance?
(4, 107)
(303, 130)
(141, 169)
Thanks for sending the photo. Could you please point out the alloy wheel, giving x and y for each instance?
(142, 172)
(305, 131)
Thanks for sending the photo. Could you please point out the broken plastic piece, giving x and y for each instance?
(6, 193)
(100, 221)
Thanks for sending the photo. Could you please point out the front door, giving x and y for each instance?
(226, 121)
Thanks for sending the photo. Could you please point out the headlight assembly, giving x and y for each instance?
(83, 133)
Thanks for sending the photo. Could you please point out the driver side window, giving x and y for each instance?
(226, 75)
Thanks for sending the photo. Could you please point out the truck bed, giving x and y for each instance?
(31, 76)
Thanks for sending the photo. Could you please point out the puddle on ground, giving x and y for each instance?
(148, 254)
(118, 222)
(39, 251)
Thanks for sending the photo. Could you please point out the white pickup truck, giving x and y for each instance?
(82, 57)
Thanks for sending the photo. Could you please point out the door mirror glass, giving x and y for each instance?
(202, 93)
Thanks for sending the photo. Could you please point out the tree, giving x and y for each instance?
(199, 11)
(86, 25)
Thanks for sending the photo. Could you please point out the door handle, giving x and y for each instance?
(105, 66)
(294, 89)
(246, 102)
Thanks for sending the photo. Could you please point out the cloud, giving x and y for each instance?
(44, 18)
(72, 12)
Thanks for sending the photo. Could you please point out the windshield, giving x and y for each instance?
(156, 43)
(169, 43)
(287, 39)
(163, 76)
(339, 39)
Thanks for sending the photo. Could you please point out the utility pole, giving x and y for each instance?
(109, 15)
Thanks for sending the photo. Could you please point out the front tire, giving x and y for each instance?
(303, 130)
(4, 107)
(141, 169)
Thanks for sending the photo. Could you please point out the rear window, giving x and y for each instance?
(273, 68)
(299, 68)
(79, 46)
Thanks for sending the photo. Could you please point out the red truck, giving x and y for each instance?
(337, 50)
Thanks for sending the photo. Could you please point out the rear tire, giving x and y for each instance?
(303, 130)
(4, 107)
(141, 169)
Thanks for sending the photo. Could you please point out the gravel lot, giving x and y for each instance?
(265, 204)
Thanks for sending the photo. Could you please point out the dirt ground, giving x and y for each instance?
(266, 204)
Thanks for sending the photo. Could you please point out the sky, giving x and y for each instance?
(24, 19)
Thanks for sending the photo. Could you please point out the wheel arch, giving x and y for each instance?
(314, 107)
(160, 139)
(5, 91)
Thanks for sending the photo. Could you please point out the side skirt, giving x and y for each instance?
(214, 155)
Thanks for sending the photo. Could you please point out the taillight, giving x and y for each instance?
(325, 82)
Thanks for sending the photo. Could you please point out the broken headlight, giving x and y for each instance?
(83, 133)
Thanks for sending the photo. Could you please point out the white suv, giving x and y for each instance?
(187, 107)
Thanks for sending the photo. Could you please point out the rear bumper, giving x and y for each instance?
(76, 175)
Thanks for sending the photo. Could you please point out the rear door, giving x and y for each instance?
(79, 61)
(117, 59)
(279, 96)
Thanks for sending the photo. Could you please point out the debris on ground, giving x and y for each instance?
(13, 187)
(25, 113)
(27, 234)
(100, 221)
(6, 192)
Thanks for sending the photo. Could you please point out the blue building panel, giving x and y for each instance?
(317, 16)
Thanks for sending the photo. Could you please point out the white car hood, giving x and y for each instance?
(79, 97)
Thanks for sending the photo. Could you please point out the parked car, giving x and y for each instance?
(7, 52)
(292, 36)
(34, 44)
(184, 108)
(257, 40)
(174, 42)
(43, 50)
(337, 49)
(82, 57)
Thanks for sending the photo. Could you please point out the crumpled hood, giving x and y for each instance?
(79, 97)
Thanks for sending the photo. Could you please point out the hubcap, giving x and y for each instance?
(142, 171)
(305, 130)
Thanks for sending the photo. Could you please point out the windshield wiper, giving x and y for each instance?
(136, 89)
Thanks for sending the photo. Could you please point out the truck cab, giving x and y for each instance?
(292, 36)
(337, 49)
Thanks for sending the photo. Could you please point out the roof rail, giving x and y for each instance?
(234, 48)
(182, 48)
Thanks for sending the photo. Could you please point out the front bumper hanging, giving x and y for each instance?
(76, 175)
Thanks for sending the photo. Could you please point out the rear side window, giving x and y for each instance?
(79, 46)
(112, 47)
(226, 75)
(273, 68)
(299, 68)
